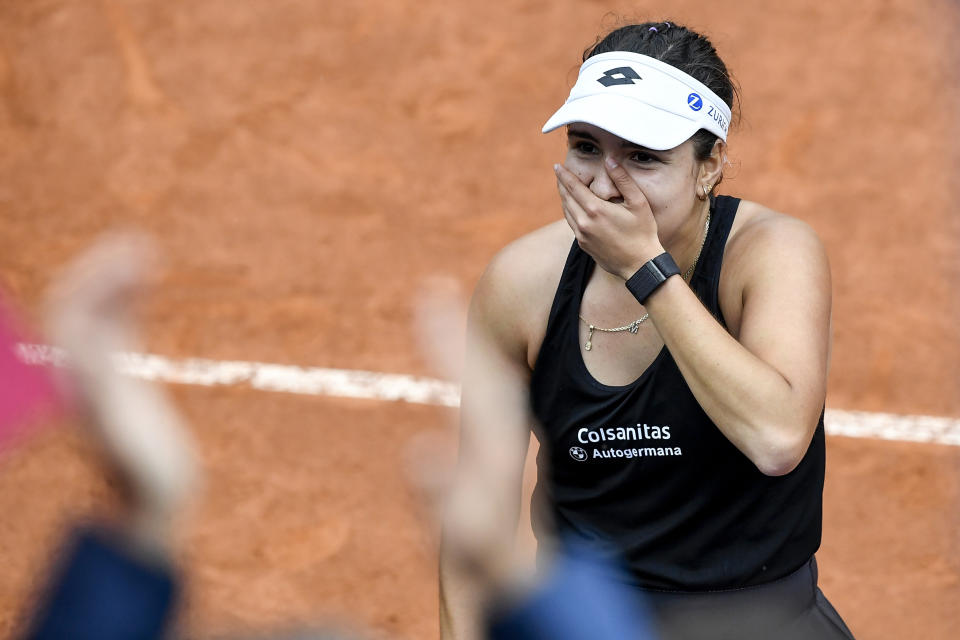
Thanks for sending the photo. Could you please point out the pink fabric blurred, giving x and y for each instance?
(27, 392)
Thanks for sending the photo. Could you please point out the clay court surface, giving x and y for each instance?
(306, 165)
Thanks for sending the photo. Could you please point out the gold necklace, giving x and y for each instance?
(634, 326)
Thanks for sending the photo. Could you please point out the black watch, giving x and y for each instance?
(651, 275)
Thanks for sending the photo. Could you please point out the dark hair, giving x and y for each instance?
(684, 49)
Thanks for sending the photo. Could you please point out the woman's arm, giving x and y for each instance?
(764, 388)
(481, 516)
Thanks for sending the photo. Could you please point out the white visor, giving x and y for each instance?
(643, 100)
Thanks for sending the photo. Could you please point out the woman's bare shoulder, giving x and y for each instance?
(758, 228)
(519, 283)
(762, 244)
(530, 264)
(538, 250)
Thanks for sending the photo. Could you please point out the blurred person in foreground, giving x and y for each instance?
(119, 582)
(673, 345)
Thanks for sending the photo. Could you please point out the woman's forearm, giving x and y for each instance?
(764, 414)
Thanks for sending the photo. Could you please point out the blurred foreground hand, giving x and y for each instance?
(478, 526)
(90, 315)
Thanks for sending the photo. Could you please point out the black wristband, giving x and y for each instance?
(651, 275)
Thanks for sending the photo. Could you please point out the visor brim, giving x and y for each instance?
(626, 118)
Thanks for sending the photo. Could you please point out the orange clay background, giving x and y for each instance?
(305, 165)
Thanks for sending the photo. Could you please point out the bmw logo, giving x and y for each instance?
(578, 454)
(695, 102)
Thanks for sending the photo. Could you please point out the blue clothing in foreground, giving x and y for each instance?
(581, 596)
(104, 591)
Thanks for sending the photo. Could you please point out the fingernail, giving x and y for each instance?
(612, 163)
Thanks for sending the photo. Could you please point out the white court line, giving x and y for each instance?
(373, 385)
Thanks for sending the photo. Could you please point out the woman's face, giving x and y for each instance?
(668, 179)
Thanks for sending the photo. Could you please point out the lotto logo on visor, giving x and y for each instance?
(620, 75)
(643, 100)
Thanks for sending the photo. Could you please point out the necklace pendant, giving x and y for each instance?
(588, 346)
(634, 327)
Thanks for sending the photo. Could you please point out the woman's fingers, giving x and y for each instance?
(566, 204)
(632, 195)
(617, 234)
(588, 202)
(576, 192)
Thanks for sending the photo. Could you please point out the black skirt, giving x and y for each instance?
(791, 608)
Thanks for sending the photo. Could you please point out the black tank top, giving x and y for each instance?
(641, 467)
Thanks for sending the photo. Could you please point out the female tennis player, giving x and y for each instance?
(673, 345)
